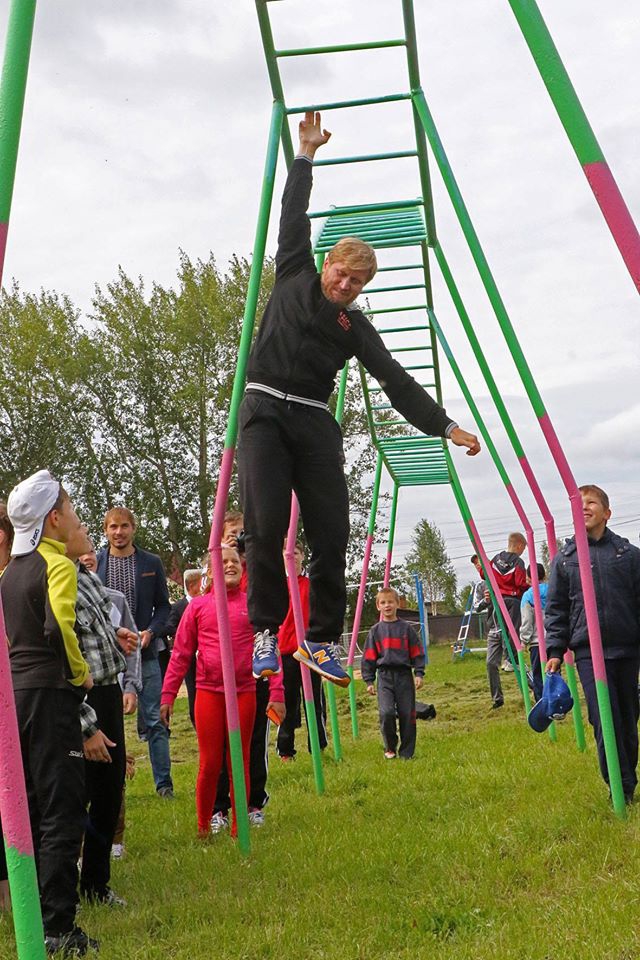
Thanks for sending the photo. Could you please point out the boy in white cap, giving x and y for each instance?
(50, 677)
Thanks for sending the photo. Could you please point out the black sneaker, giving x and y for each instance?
(107, 897)
(76, 943)
(497, 704)
(165, 792)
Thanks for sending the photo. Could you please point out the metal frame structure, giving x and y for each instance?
(410, 460)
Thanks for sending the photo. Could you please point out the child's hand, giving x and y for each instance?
(131, 766)
(419, 682)
(371, 690)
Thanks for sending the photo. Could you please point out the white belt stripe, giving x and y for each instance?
(286, 396)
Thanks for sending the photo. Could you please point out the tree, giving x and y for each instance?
(545, 559)
(429, 558)
(130, 405)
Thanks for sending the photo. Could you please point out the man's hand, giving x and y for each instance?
(371, 690)
(419, 682)
(553, 665)
(311, 134)
(145, 639)
(166, 712)
(278, 708)
(129, 704)
(88, 683)
(127, 640)
(461, 438)
(95, 748)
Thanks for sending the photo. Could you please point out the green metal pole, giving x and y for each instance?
(13, 85)
(357, 616)
(224, 483)
(274, 75)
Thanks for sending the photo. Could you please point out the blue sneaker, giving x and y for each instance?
(265, 654)
(323, 658)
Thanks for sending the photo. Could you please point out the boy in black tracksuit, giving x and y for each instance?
(393, 649)
(288, 438)
(615, 565)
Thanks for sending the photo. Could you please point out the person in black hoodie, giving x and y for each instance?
(615, 565)
(288, 439)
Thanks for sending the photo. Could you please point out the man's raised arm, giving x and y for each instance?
(294, 237)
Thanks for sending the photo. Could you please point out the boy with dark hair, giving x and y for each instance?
(393, 651)
(615, 566)
(39, 592)
(528, 628)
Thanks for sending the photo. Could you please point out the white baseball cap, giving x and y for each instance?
(28, 505)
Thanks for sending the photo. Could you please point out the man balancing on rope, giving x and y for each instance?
(288, 439)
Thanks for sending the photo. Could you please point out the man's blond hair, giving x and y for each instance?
(516, 540)
(355, 254)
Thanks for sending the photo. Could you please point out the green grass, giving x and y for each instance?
(492, 843)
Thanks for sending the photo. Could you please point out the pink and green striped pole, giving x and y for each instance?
(298, 619)
(562, 464)
(14, 809)
(330, 689)
(498, 599)
(580, 133)
(13, 85)
(357, 616)
(526, 468)
(224, 482)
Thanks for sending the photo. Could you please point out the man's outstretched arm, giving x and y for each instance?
(294, 238)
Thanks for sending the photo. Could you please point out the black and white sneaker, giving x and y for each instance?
(76, 943)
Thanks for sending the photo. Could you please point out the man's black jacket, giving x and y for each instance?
(615, 565)
(304, 339)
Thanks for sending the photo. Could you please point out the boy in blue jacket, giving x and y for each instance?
(393, 650)
(528, 628)
(615, 566)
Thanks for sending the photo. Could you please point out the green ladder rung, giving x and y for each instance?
(366, 158)
(347, 104)
(341, 48)
(425, 386)
(366, 207)
(400, 232)
(408, 349)
(377, 217)
(417, 306)
(404, 286)
(402, 266)
(398, 329)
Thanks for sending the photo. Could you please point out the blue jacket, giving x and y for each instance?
(152, 596)
(615, 565)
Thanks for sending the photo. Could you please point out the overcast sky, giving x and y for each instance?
(145, 129)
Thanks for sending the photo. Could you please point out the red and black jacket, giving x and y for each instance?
(392, 645)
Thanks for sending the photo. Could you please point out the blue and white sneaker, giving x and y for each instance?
(324, 659)
(265, 654)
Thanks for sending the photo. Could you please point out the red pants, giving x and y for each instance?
(211, 729)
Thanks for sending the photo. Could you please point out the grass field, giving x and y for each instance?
(492, 843)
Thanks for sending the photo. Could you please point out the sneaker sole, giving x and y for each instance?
(304, 657)
(265, 673)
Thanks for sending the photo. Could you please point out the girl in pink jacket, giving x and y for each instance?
(198, 632)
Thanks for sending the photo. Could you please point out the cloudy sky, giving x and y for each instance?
(144, 132)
